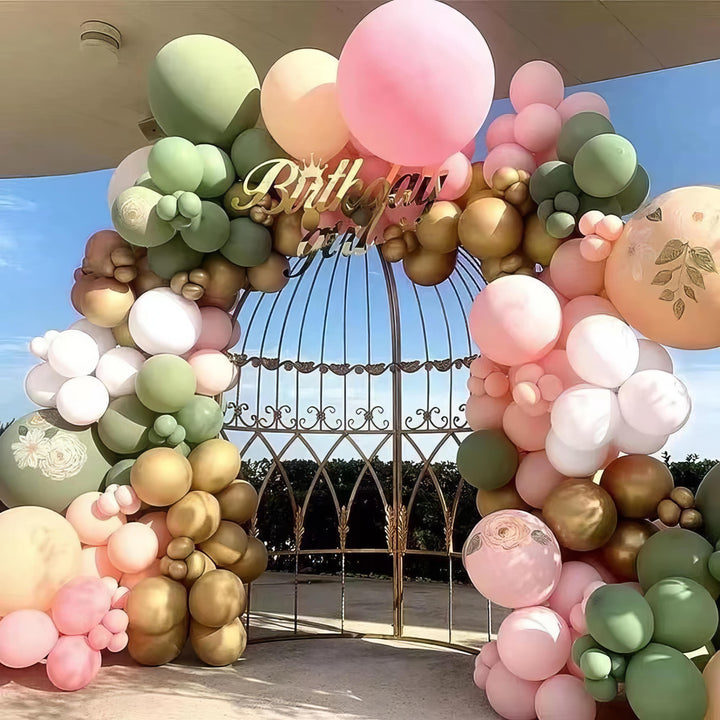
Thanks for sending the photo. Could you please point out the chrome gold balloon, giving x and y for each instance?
(621, 550)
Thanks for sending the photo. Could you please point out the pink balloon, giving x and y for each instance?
(130, 580)
(92, 527)
(217, 329)
(523, 430)
(534, 643)
(589, 221)
(80, 605)
(96, 563)
(507, 155)
(235, 337)
(595, 249)
(501, 131)
(572, 274)
(577, 620)
(489, 654)
(419, 112)
(537, 127)
(408, 213)
(564, 698)
(133, 547)
(459, 176)
(469, 150)
(73, 664)
(111, 584)
(513, 559)
(157, 522)
(544, 156)
(556, 363)
(581, 307)
(26, 637)
(118, 642)
(116, 621)
(610, 228)
(213, 372)
(372, 169)
(480, 674)
(497, 384)
(574, 578)
(476, 386)
(482, 367)
(583, 102)
(99, 637)
(515, 320)
(510, 696)
(536, 478)
(536, 82)
(484, 412)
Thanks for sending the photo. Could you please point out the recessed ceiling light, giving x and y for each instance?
(100, 41)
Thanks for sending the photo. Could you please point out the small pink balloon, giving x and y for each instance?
(489, 654)
(564, 697)
(536, 82)
(469, 150)
(213, 371)
(501, 131)
(116, 621)
(590, 588)
(476, 386)
(577, 619)
(531, 372)
(507, 155)
(26, 637)
(459, 176)
(157, 522)
(523, 430)
(96, 563)
(550, 387)
(235, 337)
(557, 363)
(120, 597)
(497, 384)
(80, 605)
(118, 642)
(99, 637)
(574, 578)
(549, 155)
(536, 478)
(128, 500)
(526, 394)
(537, 127)
(130, 580)
(92, 527)
(133, 547)
(111, 584)
(595, 249)
(107, 505)
(480, 674)
(580, 308)
(583, 102)
(572, 274)
(610, 228)
(73, 664)
(510, 697)
(481, 367)
(486, 413)
(372, 169)
(589, 221)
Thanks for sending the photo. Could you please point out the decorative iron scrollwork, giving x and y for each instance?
(299, 528)
(396, 529)
(343, 527)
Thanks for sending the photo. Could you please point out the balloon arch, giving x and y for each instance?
(127, 524)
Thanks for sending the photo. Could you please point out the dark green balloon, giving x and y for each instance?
(605, 165)
(707, 501)
(202, 419)
(545, 209)
(577, 130)
(250, 244)
(135, 217)
(252, 148)
(676, 553)
(210, 231)
(173, 257)
(487, 459)
(619, 618)
(607, 206)
(550, 179)
(218, 171)
(567, 202)
(662, 684)
(602, 690)
(124, 426)
(685, 614)
(581, 646)
(560, 225)
(636, 193)
(595, 664)
(119, 473)
(165, 384)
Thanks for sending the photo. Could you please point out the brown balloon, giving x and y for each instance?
(180, 548)
(217, 598)
(122, 335)
(146, 279)
(198, 564)
(196, 516)
(683, 497)
(287, 233)
(669, 512)
(272, 275)
(253, 563)
(227, 545)
(238, 501)
(225, 278)
(155, 605)
(691, 519)
(621, 550)
(504, 498)
(215, 464)
(437, 229)
(98, 251)
(161, 476)
(158, 649)
(218, 646)
(394, 249)
(537, 244)
(637, 483)
(477, 186)
(581, 514)
(105, 301)
(428, 268)
(490, 227)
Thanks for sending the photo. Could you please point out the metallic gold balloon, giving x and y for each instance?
(238, 501)
(122, 335)
(490, 227)
(477, 186)
(215, 464)
(217, 598)
(581, 515)
(504, 498)
(621, 550)
(537, 244)
(106, 302)
(218, 646)
(270, 276)
(227, 545)
(437, 229)
(637, 483)
(669, 512)
(287, 233)
(180, 548)
(226, 279)
(161, 476)
(684, 497)
(198, 564)
(691, 519)
(517, 194)
(428, 268)
(158, 649)
(156, 604)
(392, 231)
(196, 516)
(253, 563)
(394, 249)
(411, 241)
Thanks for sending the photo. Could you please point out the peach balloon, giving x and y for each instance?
(130, 580)
(482, 367)
(484, 412)
(133, 547)
(476, 386)
(556, 363)
(536, 478)
(92, 527)
(581, 307)
(497, 384)
(523, 430)
(96, 563)
(213, 371)
(157, 522)
(572, 274)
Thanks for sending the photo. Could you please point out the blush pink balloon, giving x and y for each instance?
(556, 363)
(595, 249)
(536, 478)
(476, 386)
(537, 127)
(157, 522)
(507, 155)
(523, 430)
(534, 643)
(583, 102)
(372, 169)
(213, 372)
(579, 624)
(26, 637)
(99, 637)
(133, 547)
(501, 131)
(511, 697)
(482, 367)
(130, 580)
(536, 82)
(589, 221)
(235, 337)
(73, 664)
(489, 654)
(96, 563)
(80, 605)
(216, 331)
(118, 642)
(574, 578)
(544, 156)
(116, 621)
(564, 698)
(484, 412)
(458, 171)
(92, 527)
(572, 274)
(515, 320)
(469, 150)
(480, 674)
(497, 384)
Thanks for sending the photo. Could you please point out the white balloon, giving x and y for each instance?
(603, 350)
(572, 462)
(102, 336)
(39, 347)
(73, 353)
(118, 368)
(629, 440)
(653, 357)
(585, 417)
(162, 322)
(82, 400)
(42, 384)
(655, 402)
(127, 172)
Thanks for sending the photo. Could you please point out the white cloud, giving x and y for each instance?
(15, 203)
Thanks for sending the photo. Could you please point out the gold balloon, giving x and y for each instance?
(218, 646)
(122, 335)
(517, 194)
(270, 276)
(253, 563)
(477, 186)
(504, 178)
(537, 244)
(180, 547)
(621, 550)
(394, 249)
(217, 598)
(226, 279)
(156, 604)
(198, 564)
(196, 516)
(106, 302)
(428, 268)
(215, 464)
(637, 483)
(411, 241)
(490, 227)
(683, 497)
(227, 545)
(161, 476)
(581, 515)
(98, 251)
(157, 649)
(287, 233)
(437, 229)
(504, 498)
(146, 279)
(691, 519)
(238, 501)
(669, 512)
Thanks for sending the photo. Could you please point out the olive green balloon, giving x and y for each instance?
(619, 666)
(603, 690)
(208, 232)
(218, 171)
(174, 163)
(567, 202)
(204, 89)
(636, 193)
(686, 616)
(605, 165)
(560, 225)
(676, 553)
(249, 245)
(119, 473)
(165, 383)
(124, 426)
(252, 148)
(619, 618)
(550, 179)
(577, 130)
(707, 501)
(173, 257)
(662, 684)
(595, 664)
(607, 206)
(135, 217)
(202, 419)
(581, 646)
(47, 462)
(487, 459)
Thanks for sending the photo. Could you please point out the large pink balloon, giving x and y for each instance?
(500, 131)
(133, 547)
(157, 522)
(525, 431)
(581, 307)
(26, 637)
(515, 320)
(507, 155)
(536, 478)
(537, 127)
(80, 605)
(583, 102)
(513, 559)
(96, 563)
(73, 664)
(572, 274)
(564, 698)
(213, 371)
(415, 82)
(458, 171)
(510, 697)
(536, 82)
(92, 527)
(217, 329)
(574, 578)
(556, 363)
(485, 413)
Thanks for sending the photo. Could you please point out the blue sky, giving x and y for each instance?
(670, 116)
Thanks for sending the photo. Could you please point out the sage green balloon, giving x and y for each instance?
(204, 89)
(545, 209)
(636, 193)
(175, 164)
(619, 666)
(165, 383)
(581, 646)
(560, 225)
(202, 419)
(249, 245)
(252, 148)
(189, 205)
(135, 217)
(165, 426)
(619, 618)
(173, 257)
(208, 232)
(487, 459)
(124, 426)
(686, 616)
(662, 684)
(577, 130)
(676, 553)
(605, 165)
(567, 202)
(550, 179)
(47, 462)
(595, 664)
(603, 690)
(183, 448)
(218, 171)
(607, 206)
(707, 501)
(119, 473)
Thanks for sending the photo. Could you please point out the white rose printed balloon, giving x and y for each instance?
(42, 384)
(118, 368)
(73, 353)
(585, 417)
(653, 357)
(633, 442)
(82, 400)
(572, 462)
(127, 173)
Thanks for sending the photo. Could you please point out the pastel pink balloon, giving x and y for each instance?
(513, 559)
(118, 642)
(99, 637)
(534, 643)
(489, 654)
(556, 363)
(544, 156)
(73, 664)
(127, 499)
(213, 371)
(482, 366)
(120, 596)
(583, 102)
(80, 605)
(577, 620)
(574, 578)
(550, 387)
(523, 430)
(372, 169)
(92, 527)
(216, 330)
(469, 150)
(235, 337)
(497, 384)
(536, 478)
(111, 584)
(480, 674)
(589, 221)
(537, 127)
(115, 621)
(564, 698)
(507, 155)
(476, 386)
(422, 112)
(595, 249)
(107, 505)
(501, 131)
(459, 176)
(515, 320)
(536, 82)
(572, 274)
(26, 637)
(157, 522)
(610, 228)
(133, 547)
(484, 412)
(96, 563)
(511, 697)
(531, 372)
(130, 580)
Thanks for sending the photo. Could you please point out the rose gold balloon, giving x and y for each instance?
(621, 550)
(106, 302)
(146, 279)
(437, 229)
(253, 563)
(98, 251)
(218, 646)
(394, 249)
(270, 276)
(226, 279)
(504, 498)
(490, 227)
(428, 268)
(287, 233)
(238, 501)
